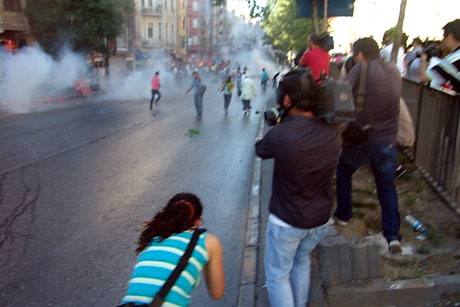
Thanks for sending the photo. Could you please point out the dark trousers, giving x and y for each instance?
(157, 92)
(382, 159)
(227, 98)
(246, 104)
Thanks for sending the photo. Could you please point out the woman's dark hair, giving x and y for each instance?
(368, 47)
(179, 215)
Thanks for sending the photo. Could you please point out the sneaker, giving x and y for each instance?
(395, 247)
(339, 221)
(400, 170)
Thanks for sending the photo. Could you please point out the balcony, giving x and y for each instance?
(14, 21)
(152, 11)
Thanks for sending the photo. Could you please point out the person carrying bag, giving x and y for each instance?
(156, 280)
(353, 134)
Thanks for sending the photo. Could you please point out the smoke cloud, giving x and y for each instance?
(30, 74)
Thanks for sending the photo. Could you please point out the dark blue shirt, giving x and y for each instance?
(306, 151)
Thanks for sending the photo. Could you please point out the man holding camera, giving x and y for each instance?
(306, 151)
(446, 72)
(379, 114)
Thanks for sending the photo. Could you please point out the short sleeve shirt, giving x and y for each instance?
(317, 60)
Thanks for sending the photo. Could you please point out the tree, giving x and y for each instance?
(84, 25)
(283, 30)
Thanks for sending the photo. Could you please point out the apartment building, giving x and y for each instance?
(156, 24)
(14, 25)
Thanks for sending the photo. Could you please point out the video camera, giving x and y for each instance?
(330, 100)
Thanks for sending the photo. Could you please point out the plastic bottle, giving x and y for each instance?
(416, 225)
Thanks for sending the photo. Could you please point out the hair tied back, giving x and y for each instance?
(189, 205)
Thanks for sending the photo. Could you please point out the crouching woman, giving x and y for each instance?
(162, 244)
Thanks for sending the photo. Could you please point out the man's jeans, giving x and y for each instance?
(287, 263)
(198, 99)
(382, 159)
(246, 104)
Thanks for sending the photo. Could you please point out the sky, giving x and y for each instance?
(423, 18)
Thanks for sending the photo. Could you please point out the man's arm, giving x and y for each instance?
(265, 146)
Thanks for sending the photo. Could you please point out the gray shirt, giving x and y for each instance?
(196, 84)
(381, 101)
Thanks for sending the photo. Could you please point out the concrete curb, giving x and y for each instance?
(248, 275)
(411, 292)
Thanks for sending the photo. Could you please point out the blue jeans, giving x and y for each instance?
(382, 159)
(287, 263)
(198, 99)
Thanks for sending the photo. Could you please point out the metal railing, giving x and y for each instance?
(437, 147)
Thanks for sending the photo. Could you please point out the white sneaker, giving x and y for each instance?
(395, 247)
(339, 221)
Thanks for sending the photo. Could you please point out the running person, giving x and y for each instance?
(155, 89)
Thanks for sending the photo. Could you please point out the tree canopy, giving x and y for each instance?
(84, 25)
(283, 29)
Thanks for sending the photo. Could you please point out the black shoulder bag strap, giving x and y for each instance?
(159, 298)
(361, 88)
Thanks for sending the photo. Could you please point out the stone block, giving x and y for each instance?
(360, 260)
(345, 263)
(373, 260)
(379, 292)
(328, 254)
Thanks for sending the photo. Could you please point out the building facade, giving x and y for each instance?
(14, 25)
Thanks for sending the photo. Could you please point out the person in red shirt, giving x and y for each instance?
(155, 89)
(316, 58)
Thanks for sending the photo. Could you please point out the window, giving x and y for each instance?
(173, 40)
(195, 23)
(12, 5)
(195, 6)
(172, 5)
(150, 3)
(150, 30)
(166, 33)
(166, 4)
(159, 30)
(195, 40)
(182, 4)
(182, 22)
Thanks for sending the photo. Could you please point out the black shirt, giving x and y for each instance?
(305, 151)
(381, 100)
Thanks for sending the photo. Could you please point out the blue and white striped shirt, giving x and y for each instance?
(156, 262)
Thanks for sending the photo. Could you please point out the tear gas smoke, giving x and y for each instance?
(31, 74)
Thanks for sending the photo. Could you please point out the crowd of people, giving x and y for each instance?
(307, 152)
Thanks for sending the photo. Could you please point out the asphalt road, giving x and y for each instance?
(76, 182)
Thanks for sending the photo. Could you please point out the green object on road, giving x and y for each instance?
(193, 132)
